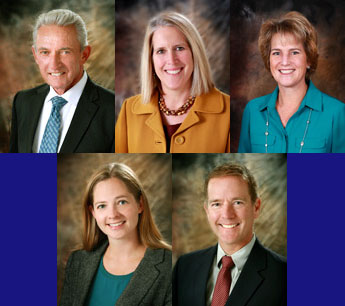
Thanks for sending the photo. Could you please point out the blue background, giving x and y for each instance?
(28, 229)
(315, 229)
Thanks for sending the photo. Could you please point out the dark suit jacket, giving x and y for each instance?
(149, 285)
(262, 281)
(92, 129)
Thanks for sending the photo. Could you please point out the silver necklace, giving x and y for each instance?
(305, 131)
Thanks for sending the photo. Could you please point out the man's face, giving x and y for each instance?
(59, 57)
(231, 212)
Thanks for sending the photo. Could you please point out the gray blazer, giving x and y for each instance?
(149, 285)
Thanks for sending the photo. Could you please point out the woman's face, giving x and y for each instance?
(172, 59)
(288, 60)
(115, 209)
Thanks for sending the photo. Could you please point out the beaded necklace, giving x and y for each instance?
(180, 111)
(305, 131)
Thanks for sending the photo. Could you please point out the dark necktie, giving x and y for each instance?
(222, 288)
(50, 140)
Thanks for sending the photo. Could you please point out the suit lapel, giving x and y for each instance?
(250, 278)
(201, 276)
(87, 274)
(35, 109)
(86, 110)
(142, 280)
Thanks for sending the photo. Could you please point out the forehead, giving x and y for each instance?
(228, 186)
(54, 34)
(112, 186)
(167, 35)
(285, 40)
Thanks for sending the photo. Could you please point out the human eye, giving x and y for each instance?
(160, 51)
(179, 48)
(215, 204)
(122, 202)
(100, 206)
(238, 202)
(43, 52)
(295, 52)
(275, 53)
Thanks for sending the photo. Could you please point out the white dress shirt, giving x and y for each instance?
(239, 258)
(72, 96)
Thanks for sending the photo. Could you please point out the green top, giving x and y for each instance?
(107, 288)
(324, 133)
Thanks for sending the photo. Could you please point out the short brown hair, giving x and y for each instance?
(233, 169)
(149, 234)
(299, 26)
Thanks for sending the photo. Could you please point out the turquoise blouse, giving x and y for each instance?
(318, 126)
(107, 288)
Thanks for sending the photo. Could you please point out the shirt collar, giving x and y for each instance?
(312, 99)
(73, 94)
(240, 257)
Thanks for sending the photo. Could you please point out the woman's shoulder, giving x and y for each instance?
(218, 93)
(259, 102)
(157, 256)
(80, 255)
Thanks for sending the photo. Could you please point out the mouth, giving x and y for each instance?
(173, 71)
(286, 71)
(229, 225)
(56, 74)
(115, 225)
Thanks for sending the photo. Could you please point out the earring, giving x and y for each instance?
(308, 67)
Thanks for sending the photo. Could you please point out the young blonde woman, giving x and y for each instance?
(124, 260)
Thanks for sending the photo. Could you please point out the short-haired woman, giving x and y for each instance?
(179, 110)
(124, 260)
(296, 117)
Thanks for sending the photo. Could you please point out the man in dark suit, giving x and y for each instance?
(70, 113)
(238, 271)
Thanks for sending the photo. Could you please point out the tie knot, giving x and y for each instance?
(227, 262)
(58, 102)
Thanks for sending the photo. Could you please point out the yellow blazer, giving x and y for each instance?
(206, 129)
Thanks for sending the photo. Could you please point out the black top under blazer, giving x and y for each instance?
(262, 281)
(92, 128)
(149, 285)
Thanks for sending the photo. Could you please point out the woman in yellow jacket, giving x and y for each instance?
(179, 110)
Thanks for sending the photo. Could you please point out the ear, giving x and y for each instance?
(257, 206)
(34, 54)
(141, 205)
(85, 54)
(92, 210)
(206, 207)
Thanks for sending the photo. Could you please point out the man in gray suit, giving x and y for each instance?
(238, 270)
(70, 113)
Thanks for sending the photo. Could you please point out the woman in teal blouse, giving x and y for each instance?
(296, 117)
(124, 260)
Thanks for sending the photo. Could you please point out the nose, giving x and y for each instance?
(114, 212)
(285, 59)
(228, 211)
(171, 57)
(55, 60)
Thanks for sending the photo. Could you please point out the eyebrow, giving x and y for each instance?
(278, 49)
(64, 48)
(174, 46)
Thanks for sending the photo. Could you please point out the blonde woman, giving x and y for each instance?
(179, 110)
(124, 260)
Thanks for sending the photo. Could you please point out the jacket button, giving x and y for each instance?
(179, 140)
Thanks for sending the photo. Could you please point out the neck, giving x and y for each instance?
(175, 99)
(291, 97)
(124, 248)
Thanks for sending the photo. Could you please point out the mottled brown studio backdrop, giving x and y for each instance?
(18, 69)
(74, 170)
(249, 78)
(210, 17)
(191, 230)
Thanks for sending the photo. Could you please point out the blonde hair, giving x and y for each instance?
(201, 77)
(296, 24)
(149, 234)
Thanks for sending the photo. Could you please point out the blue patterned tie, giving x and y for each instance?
(50, 138)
